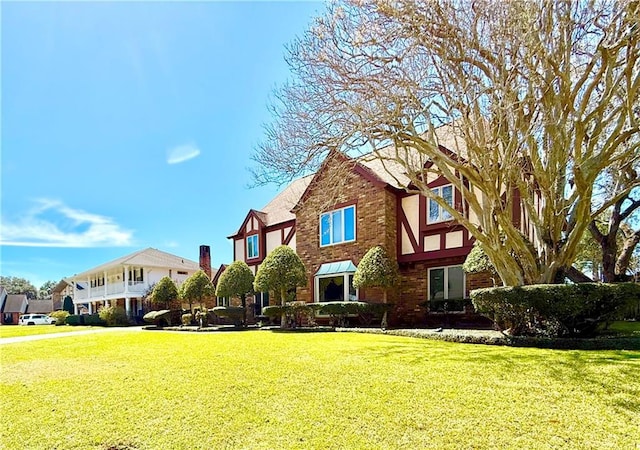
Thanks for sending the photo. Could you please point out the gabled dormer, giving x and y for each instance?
(248, 241)
(265, 229)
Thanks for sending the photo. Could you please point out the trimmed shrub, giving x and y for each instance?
(273, 311)
(370, 312)
(93, 320)
(477, 261)
(74, 320)
(186, 319)
(234, 314)
(164, 317)
(60, 317)
(338, 312)
(114, 316)
(295, 313)
(555, 309)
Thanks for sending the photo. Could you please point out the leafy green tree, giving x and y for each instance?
(236, 281)
(377, 269)
(280, 271)
(17, 285)
(164, 292)
(44, 293)
(197, 288)
(477, 261)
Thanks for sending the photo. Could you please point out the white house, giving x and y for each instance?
(124, 281)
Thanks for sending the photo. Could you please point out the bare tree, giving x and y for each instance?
(614, 230)
(534, 99)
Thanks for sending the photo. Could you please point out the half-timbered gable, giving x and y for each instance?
(350, 205)
(272, 226)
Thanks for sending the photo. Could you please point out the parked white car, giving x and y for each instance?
(36, 319)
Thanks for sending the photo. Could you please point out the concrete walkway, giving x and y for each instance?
(39, 337)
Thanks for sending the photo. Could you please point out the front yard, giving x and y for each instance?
(7, 331)
(258, 389)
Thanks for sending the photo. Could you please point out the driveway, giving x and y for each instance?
(38, 337)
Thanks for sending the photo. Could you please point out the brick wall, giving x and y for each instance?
(482, 280)
(338, 185)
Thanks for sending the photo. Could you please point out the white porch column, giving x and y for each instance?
(105, 282)
(105, 303)
(127, 306)
(90, 307)
(75, 309)
(89, 288)
(126, 279)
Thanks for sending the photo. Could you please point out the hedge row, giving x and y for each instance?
(85, 319)
(555, 309)
(338, 312)
(234, 313)
(464, 337)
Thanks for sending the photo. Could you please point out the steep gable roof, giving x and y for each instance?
(385, 163)
(278, 210)
(15, 303)
(149, 257)
(62, 285)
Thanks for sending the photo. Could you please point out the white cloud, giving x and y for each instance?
(182, 153)
(51, 223)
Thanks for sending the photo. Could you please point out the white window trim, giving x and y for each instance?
(440, 208)
(344, 241)
(256, 247)
(446, 282)
(344, 275)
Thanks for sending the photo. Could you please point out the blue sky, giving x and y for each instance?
(131, 125)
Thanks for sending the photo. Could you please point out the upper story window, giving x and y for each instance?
(338, 226)
(435, 212)
(252, 246)
(136, 275)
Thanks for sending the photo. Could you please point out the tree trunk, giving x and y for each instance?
(622, 263)
(283, 301)
(383, 322)
(243, 299)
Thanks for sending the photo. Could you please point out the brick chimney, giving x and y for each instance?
(205, 259)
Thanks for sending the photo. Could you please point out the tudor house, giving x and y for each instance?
(331, 219)
(264, 230)
(125, 281)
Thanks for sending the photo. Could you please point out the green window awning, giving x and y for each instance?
(336, 267)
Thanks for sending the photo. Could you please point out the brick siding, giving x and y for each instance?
(337, 186)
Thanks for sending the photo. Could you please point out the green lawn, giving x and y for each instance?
(25, 330)
(257, 389)
(626, 328)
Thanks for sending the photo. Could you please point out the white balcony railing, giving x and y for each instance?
(112, 289)
(137, 286)
(115, 288)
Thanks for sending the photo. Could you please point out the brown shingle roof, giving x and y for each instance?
(384, 162)
(15, 303)
(40, 306)
(279, 209)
